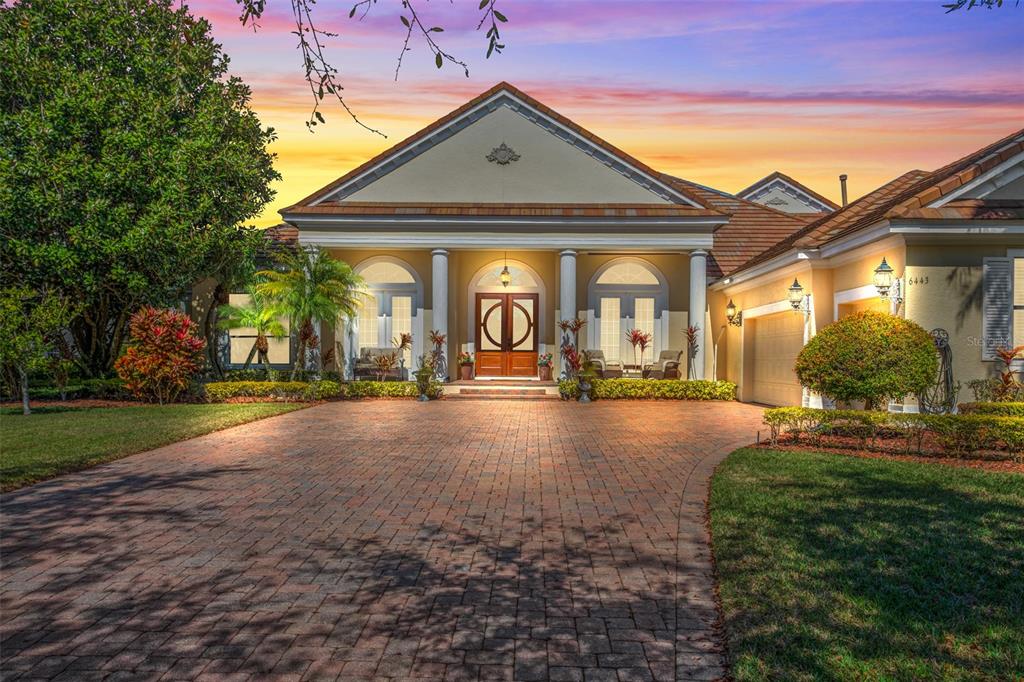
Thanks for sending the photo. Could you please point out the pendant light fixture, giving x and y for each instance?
(505, 276)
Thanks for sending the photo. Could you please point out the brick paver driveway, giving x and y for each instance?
(381, 540)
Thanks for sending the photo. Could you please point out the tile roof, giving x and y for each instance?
(778, 175)
(751, 229)
(968, 209)
(908, 197)
(371, 208)
(447, 118)
(282, 234)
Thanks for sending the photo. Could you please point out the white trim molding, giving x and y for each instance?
(997, 177)
(623, 241)
(862, 293)
(768, 309)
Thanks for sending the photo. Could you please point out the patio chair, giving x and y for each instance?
(665, 367)
(366, 368)
(605, 369)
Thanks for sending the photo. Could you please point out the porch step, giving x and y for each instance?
(476, 395)
(503, 391)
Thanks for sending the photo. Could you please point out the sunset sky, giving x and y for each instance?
(720, 93)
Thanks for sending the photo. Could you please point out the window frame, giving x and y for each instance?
(225, 350)
(1016, 256)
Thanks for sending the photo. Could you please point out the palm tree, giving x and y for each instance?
(261, 315)
(311, 287)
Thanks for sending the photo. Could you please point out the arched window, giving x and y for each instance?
(627, 293)
(394, 293)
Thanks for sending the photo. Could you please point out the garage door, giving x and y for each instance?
(777, 341)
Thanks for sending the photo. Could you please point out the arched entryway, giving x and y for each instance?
(507, 319)
(627, 293)
(392, 306)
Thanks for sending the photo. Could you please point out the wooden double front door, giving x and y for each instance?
(506, 335)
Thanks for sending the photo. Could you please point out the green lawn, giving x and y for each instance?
(53, 441)
(841, 568)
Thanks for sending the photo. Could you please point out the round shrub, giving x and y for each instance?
(869, 356)
(164, 354)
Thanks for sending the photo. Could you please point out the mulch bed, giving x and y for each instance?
(243, 399)
(83, 403)
(985, 461)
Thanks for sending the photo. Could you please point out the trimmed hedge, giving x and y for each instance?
(389, 389)
(259, 374)
(219, 391)
(652, 389)
(1000, 409)
(958, 434)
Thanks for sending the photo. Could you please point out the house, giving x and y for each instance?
(503, 217)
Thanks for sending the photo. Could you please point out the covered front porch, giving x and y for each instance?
(499, 309)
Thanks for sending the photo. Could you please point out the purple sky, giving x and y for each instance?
(720, 93)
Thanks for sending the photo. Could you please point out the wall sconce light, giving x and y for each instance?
(734, 316)
(800, 302)
(505, 276)
(887, 284)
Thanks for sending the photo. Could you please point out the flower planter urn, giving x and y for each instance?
(544, 372)
(466, 372)
(585, 387)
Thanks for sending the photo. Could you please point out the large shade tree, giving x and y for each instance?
(129, 159)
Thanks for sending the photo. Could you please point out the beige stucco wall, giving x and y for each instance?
(945, 292)
(549, 170)
(860, 270)
(418, 260)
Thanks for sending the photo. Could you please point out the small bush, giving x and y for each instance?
(105, 389)
(999, 409)
(868, 356)
(957, 434)
(390, 389)
(322, 390)
(163, 356)
(219, 391)
(652, 389)
(254, 375)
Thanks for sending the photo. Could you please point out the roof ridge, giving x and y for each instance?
(733, 197)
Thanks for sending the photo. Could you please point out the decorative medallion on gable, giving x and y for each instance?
(502, 155)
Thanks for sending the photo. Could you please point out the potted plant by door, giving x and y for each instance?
(465, 366)
(544, 366)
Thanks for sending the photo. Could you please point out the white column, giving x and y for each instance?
(699, 304)
(439, 291)
(567, 285)
(566, 295)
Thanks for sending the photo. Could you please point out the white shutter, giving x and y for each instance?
(997, 305)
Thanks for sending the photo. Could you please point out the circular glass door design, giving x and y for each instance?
(506, 335)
